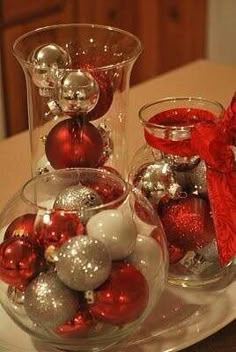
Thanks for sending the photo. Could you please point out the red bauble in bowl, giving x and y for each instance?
(74, 143)
(22, 226)
(123, 297)
(20, 260)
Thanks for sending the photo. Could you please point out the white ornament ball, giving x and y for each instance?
(117, 231)
(147, 257)
(48, 302)
(83, 263)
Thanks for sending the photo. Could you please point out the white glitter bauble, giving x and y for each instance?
(83, 263)
(209, 252)
(48, 302)
(147, 257)
(117, 231)
(79, 198)
(49, 62)
(79, 92)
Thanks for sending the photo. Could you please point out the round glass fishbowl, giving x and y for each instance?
(180, 170)
(83, 259)
(77, 78)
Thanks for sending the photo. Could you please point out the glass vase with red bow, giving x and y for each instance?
(187, 171)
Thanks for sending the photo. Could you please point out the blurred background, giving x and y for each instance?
(173, 33)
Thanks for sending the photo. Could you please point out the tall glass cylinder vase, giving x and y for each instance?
(77, 78)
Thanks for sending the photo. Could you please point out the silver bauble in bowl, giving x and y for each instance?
(48, 302)
(79, 92)
(198, 178)
(83, 263)
(49, 62)
(79, 198)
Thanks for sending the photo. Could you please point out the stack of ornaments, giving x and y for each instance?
(74, 93)
(177, 188)
(84, 272)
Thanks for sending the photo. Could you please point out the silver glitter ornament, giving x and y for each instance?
(83, 263)
(181, 163)
(198, 178)
(49, 62)
(79, 198)
(155, 181)
(79, 92)
(48, 302)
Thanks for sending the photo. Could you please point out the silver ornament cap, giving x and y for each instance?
(83, 263)
(48, 302)
(79, 92)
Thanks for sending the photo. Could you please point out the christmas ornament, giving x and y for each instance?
(105, 90)
(187, 222)
(147, 257)
(78, 326)
(55, 228)
(83, 263)
(181, 163)
(117, 231)
(48, 302)
(74, 143)
(198, 178)
(155, 181)
(20, 260)
(79, 198)
(123, 297)
(184, 180)
(23, 226)
(49, 62)
(79, 92)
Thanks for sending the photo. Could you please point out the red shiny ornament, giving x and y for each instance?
(123, 297)
(187, 222)
(80, 325)
(74, 143)
(23, 226)
(56, 228)
(20, 260)
(105, 90)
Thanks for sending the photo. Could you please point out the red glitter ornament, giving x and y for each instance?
(123, 297)
(80, 325)
(23, 226)
(20, 260)
(74, 143)
(56, 228)
(187, 222)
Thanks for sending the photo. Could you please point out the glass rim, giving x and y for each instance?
(118, 200)
(173, 99)
(137, 51)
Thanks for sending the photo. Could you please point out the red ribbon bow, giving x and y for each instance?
(213, 143)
